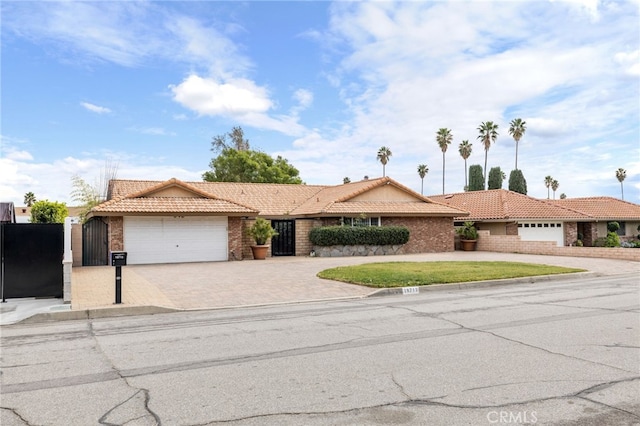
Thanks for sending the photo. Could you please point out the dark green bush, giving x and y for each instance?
(359, 235)
(613, 226)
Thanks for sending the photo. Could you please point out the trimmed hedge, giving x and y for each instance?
(359, 235)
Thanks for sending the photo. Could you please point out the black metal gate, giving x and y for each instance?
(32, 257)
(95, 243)
(284, 244)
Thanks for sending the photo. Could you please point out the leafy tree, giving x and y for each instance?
(496, 176)
(548, 180)
(86, 195)
(465, 149)
(488, 135)
(346, 180)
(422, 172)
(621, 174)
(29, 199)
(554, 186)
(384, 154)
(517, 127)
(563, 196)
(476, 180)
(237, 141)
(46, 211)
(234, 165)
(517, 182)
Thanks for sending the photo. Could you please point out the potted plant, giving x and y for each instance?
(261, 231)
(468, 236)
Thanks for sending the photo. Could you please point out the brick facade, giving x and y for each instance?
(570, 233)
(426, 234)
(303, 227)
(116, 233)
(234, 226)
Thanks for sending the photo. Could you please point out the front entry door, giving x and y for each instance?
(284, 244)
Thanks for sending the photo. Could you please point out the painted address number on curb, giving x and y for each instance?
(410, 290)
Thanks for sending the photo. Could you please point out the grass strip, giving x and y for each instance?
(405, 274)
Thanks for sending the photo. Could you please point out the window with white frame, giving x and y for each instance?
(361, 221)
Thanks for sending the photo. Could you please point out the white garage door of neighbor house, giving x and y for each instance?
(175, 239)
(541, 231)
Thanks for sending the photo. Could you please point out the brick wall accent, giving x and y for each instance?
(234, 226)
(116, 233)
(426, 234)
(570, 233)
(513, 244)
(303, 227)
(590, 233)
(511, 228)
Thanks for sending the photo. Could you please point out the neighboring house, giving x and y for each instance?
(602, 210)
(175, 221)
(23, 214)
(504, 212)
(7, 213)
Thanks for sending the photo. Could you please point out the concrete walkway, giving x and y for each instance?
(150, 289)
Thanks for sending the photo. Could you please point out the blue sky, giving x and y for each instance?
(146, 85)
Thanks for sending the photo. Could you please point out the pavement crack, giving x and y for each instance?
(400, 387)
(479, 330)
(130, 414)
(630, 413)
(15, 412)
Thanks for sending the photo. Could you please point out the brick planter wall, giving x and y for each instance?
(513, 244)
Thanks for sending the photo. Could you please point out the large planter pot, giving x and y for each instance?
(260, 252)
(468, 245)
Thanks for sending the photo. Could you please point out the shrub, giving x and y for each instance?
(46, 211)
(359, 235)
(612, 240)
(600, 242)
(517, 182)
(468, 231)
(261, 231)
(613, 226)
(629, 244)
(476, 179)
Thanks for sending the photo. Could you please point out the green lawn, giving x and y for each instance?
(402, 274)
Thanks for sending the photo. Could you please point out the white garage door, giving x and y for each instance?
(175, 239)
(541, 231)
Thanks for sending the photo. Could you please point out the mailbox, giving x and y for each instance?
(118, 258)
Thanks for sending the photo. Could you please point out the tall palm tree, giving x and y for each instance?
(488, 135)
(444, 138)
(422, 172)
(621, 174)
(29, 199)
(548, 180)
(517, 127)
(383, 156)
(554, 186)
(465, 152)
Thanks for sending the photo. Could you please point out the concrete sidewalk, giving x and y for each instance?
(191, 286)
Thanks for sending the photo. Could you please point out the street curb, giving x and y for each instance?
(122, 311)
(95, 313)
(484, 284)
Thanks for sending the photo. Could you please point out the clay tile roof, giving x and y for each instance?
(500, 204)
(138, 196)
(602, 208)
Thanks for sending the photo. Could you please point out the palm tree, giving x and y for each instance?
(488, 135)
(621, 174)
(422, 172)
(548, 180)
(383, 156)
(443, 137)
(554, 186)
(465, 152)
(29, 199)
(517, 129)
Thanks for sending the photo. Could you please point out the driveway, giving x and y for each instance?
(272, 281)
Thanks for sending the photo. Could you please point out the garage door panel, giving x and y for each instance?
(175, 239)
(541, 231)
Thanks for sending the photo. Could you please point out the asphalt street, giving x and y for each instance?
(563, 352)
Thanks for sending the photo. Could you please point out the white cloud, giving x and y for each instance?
(207, 96)
(95, 108)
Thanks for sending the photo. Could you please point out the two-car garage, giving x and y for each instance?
(175, 239)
